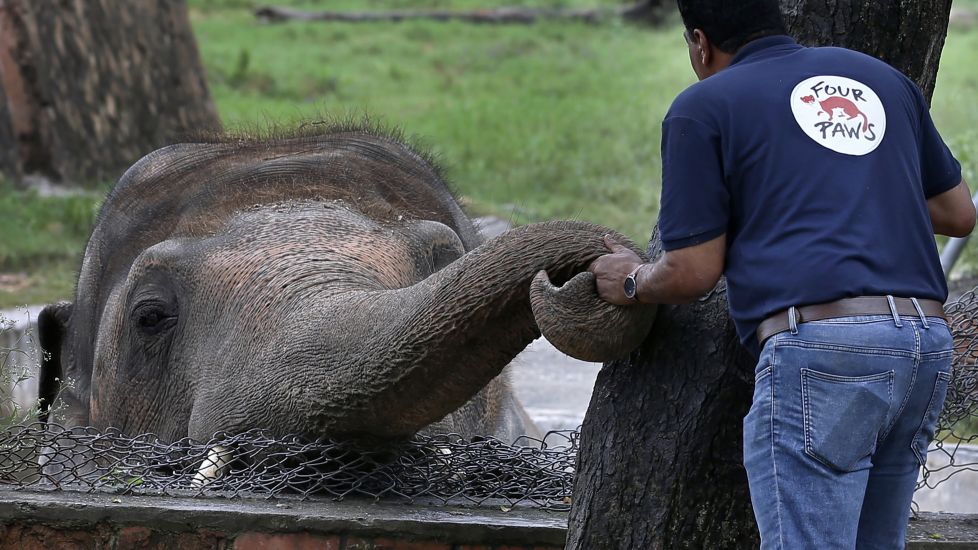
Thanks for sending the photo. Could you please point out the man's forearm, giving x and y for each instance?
(663, 282)
(677, 277)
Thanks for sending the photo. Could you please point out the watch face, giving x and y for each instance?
(630, 286)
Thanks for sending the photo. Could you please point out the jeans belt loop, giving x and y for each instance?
(893, 310)
(793, 320)
(920, 311)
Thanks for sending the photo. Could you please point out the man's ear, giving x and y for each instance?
(52, 326)
(704, 47)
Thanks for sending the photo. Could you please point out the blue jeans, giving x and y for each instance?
(843, 412)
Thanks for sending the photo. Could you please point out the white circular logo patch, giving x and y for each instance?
(839, 113)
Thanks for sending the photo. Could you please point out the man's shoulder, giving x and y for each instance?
(709, 100)
(696, 101)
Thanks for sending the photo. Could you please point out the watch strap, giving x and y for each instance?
(633, 278)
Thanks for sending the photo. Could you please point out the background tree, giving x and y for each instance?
(89, 86)
(8, 143)
(660, 463)
(908, 35)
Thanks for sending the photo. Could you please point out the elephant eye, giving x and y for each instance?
(152, 318)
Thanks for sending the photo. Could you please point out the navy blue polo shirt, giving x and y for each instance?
(817, 164)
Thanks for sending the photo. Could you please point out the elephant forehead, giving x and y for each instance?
(309, 239)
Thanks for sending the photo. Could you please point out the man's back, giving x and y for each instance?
(815, 180)
(816, 163)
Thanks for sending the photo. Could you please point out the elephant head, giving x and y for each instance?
(326, 285)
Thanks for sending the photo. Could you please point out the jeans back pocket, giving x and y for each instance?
(928, 424)
(843, 416)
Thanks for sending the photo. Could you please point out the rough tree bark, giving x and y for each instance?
(660, 459)
(907, 34)
(660, 462)
(92, 85)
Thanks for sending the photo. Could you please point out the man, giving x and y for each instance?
(814, 179)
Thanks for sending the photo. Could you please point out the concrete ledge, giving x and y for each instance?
(77, 520)
(409, 526)
(943, 531)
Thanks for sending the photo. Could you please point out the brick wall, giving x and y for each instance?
(105, 536)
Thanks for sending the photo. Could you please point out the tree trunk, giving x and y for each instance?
(660, 463)
(8, 143)
(93, 85)
(908, 35)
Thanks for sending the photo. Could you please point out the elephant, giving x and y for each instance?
(322, 283)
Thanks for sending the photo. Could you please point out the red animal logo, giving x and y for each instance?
(830, 104)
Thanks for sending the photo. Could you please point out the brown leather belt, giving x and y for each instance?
(848, 307)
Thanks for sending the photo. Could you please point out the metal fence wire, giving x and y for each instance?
(953, 449)
(437, 469)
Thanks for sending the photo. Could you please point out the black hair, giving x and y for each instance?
(729, 24)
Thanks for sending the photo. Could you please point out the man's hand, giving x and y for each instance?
(677, 277)
(610, 271)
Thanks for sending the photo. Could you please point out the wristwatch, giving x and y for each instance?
(631, 285)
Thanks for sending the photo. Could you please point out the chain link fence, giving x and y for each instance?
(441, 469)
(953, 449)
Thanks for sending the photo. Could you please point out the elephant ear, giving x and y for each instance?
(579, 323)
(52, 326)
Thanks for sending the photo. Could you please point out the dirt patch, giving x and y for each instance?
(14, 282)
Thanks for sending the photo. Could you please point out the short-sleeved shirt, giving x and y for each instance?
(817, 164)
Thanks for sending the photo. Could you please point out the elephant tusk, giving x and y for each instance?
(213, 467)
(444, 459)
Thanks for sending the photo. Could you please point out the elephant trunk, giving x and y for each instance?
(424, 350)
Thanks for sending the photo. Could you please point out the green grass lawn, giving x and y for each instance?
(553, 120)
(556, 120)
(42, 244)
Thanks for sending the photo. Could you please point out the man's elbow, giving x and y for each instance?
(952, 212)
(963, 224)
(696, 286)
(693, 272)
